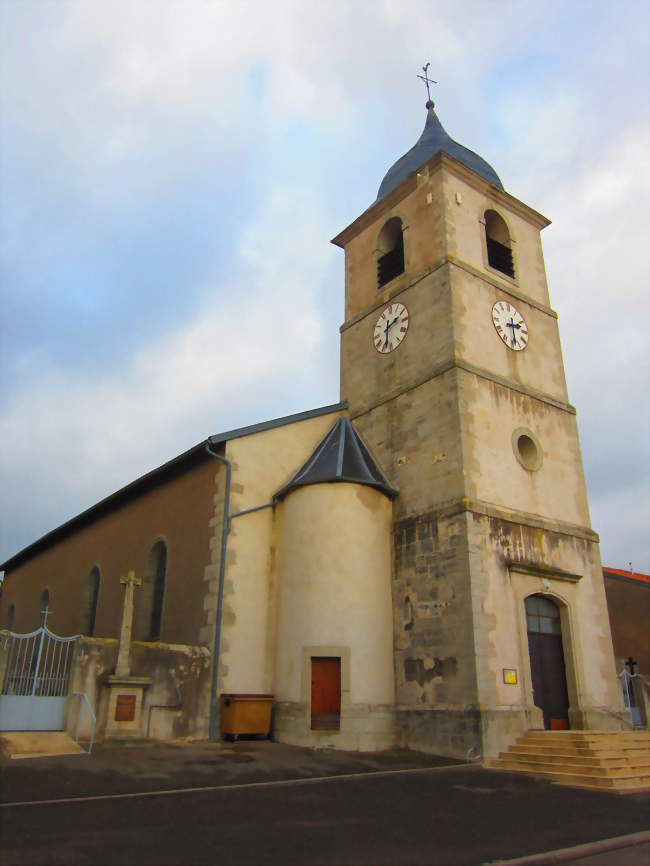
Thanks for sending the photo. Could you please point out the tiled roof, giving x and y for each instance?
(627, 575)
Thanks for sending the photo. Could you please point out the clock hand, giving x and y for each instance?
(389, 325)
(511, 324)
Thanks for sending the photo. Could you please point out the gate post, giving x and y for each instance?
(4, 655)
(37, 669)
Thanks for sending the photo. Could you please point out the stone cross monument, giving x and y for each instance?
(123, 668)
(125, 691)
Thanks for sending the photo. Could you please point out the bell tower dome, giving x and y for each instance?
(434, 139)
(452, 367)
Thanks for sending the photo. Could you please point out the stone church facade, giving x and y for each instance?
(414, 565)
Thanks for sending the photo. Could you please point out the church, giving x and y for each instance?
(413, 565)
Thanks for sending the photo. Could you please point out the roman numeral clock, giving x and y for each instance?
(510, 325)
(391, 328)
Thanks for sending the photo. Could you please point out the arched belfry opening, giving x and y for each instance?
(547, 666)
(151, 595)
(390, 250)
(499, 244)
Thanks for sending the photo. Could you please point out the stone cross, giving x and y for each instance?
(631, 664)
(123, 668)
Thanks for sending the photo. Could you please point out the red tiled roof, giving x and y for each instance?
(630, 575)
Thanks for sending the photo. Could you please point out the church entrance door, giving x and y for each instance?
(325, 693)
(547, 661)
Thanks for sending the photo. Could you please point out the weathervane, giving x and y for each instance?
(427, 81)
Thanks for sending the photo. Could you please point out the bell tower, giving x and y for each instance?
(452, 367)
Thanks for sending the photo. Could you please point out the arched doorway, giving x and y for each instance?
(547, 661)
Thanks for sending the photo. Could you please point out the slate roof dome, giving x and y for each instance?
(340, 456)
(434, 139)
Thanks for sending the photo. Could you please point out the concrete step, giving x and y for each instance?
(596, 754)
(598, 746)
(590, 742)
(610, 732)
(37, 744)
(576, 760)
(571, 759)
(546, 767)
(591, 735)
(626, 782)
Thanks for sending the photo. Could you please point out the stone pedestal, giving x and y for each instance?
(125, 697)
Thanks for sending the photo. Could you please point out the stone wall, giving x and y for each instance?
(435, 668)
(175, 704)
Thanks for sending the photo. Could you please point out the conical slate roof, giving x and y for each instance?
(434, 139)
(340, 456)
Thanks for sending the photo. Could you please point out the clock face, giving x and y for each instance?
(510, 326)
(391, 328)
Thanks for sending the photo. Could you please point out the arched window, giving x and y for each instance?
(542, 615)
(150, 596)
(44, 606)
(90, 599)
(499, 247)
(390, 246)
(11, 616)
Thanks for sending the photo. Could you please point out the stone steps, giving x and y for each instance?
(569, 759)
(605, 760)
(37, 744)
(624, 739)
(574, 752)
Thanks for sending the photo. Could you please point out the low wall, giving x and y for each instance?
(176, 704)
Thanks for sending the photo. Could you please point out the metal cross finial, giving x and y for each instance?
(427, 81)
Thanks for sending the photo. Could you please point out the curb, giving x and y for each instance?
(566, 855)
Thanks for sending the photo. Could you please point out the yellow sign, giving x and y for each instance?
(510, 676)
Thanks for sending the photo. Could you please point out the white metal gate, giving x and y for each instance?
(36, 681)
(629, 697)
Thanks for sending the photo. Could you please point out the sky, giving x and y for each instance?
(171, 174)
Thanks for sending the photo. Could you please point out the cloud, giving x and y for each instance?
(599, 276)
(71, 438)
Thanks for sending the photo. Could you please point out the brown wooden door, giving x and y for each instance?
(325, 693)
(547, 661)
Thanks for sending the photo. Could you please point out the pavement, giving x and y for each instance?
(258, 802)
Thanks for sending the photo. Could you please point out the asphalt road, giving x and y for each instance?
(380, 813)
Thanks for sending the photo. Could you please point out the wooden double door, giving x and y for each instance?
(547, 661)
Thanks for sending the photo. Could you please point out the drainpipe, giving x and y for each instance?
(222, 574)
